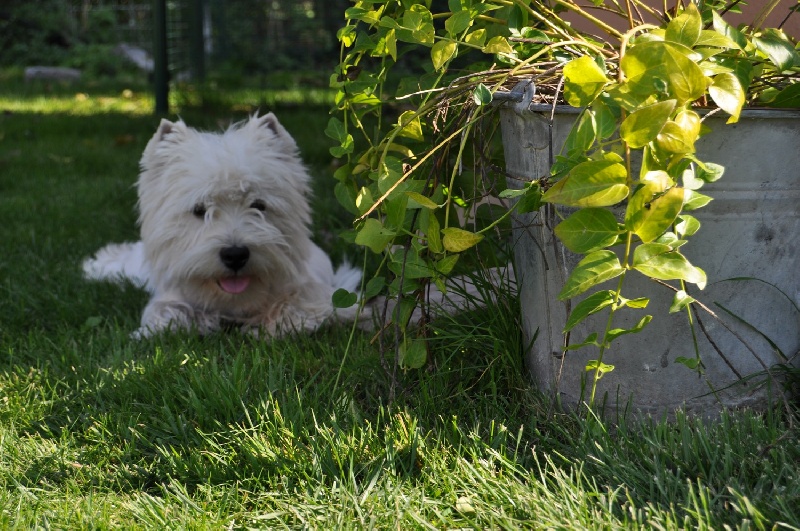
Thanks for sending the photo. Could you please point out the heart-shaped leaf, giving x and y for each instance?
(654, 67)
(728, 94)
(456, 240)
(442, 52)
(729, 31)
(594, 269)
(643, 125)
(413, 354)
(458, 22)
(680, 301)
(595, 183)
(658, 261)
(774, 44)
(614, 333)
(587, 230)
(675, 139)
(686, 225)
(599, 367)
(482, 95)
(685, 28)
(343, 299)
(588, 306)
(498, 44)
(583, 81)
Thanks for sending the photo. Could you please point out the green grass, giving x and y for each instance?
(99, 431)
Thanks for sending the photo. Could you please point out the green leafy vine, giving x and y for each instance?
(417, 182)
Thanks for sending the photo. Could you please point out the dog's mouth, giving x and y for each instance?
(234, 285)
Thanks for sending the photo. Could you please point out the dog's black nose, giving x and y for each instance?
(234, 257)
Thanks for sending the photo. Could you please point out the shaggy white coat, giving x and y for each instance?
(200, 193)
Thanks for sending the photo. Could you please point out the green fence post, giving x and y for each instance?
(160, 59)
(196, 44)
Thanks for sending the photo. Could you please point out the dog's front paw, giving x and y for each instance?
(174, 315)
(141, 333)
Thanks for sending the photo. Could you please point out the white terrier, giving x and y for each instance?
(225, 234)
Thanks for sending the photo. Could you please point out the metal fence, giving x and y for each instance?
(226, 37)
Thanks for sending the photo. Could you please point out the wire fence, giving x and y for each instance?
(219, 37)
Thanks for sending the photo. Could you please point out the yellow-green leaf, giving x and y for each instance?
(594, 269)
(374, 235)
(391, 43)
(445, 265)
(458, 22)
(650, 213)
(413, 354)
(728, 94)
(442, 52)
(660, 262)
(780, 50)
(583, 81)
(411, 126)
(675, 139)
(680, 301)
(655, 67)
(588, 229)
(595, 183)
(689, 121)
(685, 28)
(498, 44)
(433, 231)
(456, 240)
(421, 201)
(643, 125)
(476, 38)
(588, 306)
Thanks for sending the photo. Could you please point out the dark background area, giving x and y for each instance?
(227, 42)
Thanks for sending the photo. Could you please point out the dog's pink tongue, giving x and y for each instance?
(234, 284)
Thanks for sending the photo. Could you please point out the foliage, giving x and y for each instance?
(413, 182)
(35, 33)
(45, 33)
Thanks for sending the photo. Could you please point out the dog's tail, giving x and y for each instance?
(118, 262)
(347, 277)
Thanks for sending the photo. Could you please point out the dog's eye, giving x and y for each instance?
(259, 205)
(199, 210)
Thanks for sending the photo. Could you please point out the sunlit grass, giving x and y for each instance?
(141, 103)
(79, 103)
(137, 98)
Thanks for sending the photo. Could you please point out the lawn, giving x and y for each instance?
(100, 431)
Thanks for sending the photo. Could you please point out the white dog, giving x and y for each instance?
(225, 234)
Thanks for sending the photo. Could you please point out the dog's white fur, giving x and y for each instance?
(201, 194)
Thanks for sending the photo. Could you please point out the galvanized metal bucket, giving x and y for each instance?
(748, 245)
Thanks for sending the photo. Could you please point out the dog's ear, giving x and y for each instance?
(270, 122)
(176, 130)
(171, 132)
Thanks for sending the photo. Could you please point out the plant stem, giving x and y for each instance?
(614, 307)
(594, 20)
(456, 166)
(762, 16)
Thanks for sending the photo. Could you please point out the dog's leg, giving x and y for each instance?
(119, 261)
(303, 309)
(170, 313)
